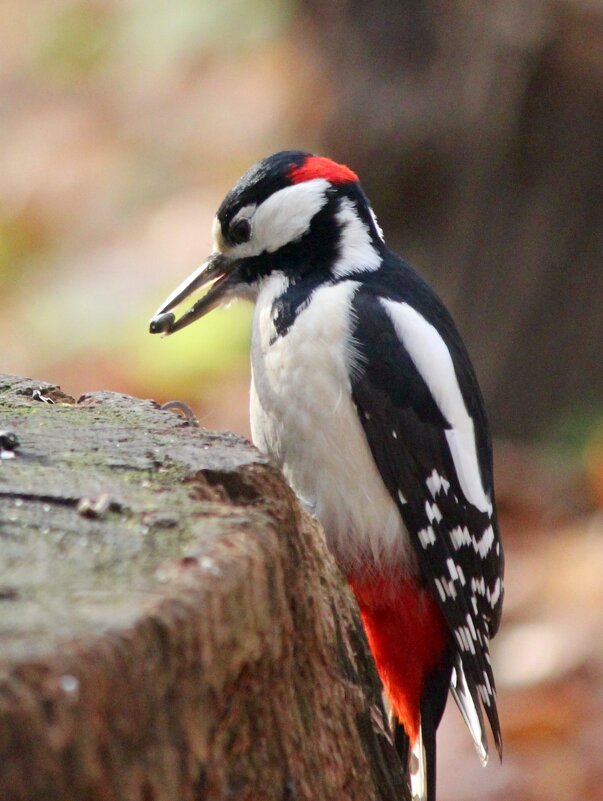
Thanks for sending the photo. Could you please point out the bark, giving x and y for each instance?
(172, 626)
(476, 128)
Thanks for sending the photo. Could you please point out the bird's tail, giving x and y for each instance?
(468, 703)
(420, 759)
(419, 754)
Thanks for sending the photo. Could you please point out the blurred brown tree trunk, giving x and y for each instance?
(478, 131)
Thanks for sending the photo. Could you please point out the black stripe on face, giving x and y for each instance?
(305, 261)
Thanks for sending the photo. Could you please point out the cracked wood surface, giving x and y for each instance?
(171, 625)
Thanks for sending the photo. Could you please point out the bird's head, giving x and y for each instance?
(292, 213)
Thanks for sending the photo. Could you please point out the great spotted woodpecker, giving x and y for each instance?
(364, 394)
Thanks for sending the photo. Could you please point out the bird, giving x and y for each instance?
(364, 394)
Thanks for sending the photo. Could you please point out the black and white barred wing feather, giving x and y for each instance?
(423, 417)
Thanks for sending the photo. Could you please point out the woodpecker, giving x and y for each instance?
(363, 393)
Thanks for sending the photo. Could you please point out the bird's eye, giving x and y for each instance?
(240, 231)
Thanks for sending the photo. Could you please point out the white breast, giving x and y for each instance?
(302, 414)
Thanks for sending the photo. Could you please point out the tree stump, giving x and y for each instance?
(171, 624)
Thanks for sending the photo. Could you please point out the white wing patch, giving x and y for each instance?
(432, 359)
(432, 510)
(427, 536)
(483, 545)
(460, 536)
(437, 483)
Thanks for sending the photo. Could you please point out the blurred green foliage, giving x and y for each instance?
(77, 41)
(163, 30)
(83, 37)
(207, 350)
(571, 434)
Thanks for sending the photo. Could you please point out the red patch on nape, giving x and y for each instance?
(407, 635)
(320, 167)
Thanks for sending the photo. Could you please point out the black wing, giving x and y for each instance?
(457, 544)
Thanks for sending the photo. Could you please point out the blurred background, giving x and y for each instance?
(477, 129)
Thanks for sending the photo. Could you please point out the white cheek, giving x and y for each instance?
(283, 217)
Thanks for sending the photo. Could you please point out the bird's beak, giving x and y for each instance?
(218, 268)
